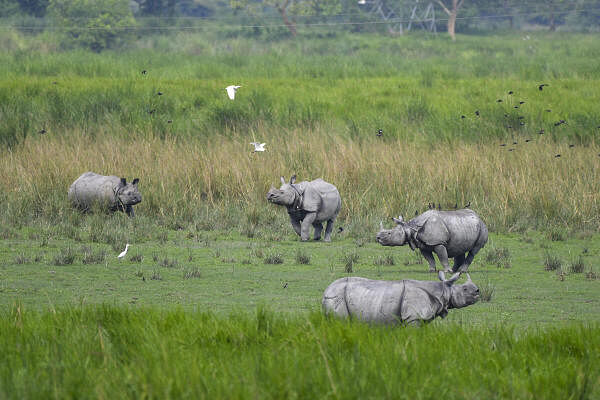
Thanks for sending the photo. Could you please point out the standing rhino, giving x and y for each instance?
(447, 233)
(308, 203)
(394, 302)
(110, 192)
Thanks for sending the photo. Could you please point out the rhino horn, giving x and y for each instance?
(398, 220)
(452, 279)
(469, 278)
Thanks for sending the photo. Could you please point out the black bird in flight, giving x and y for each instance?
(468, 205)
(144, 72)
(462, 117)
(499, 101)
(527, 140)
(503, 145)
(511, 149)
(170, 121)
(380, 133)
(284, 286)
(516, 106)
(548, 110)
(557, 156)
(340, 229)
(477, 112)
(541, 87)
(515, 142)
(510, 92)
(521, 102)
(42, 131)
(541, 132)
(159, 93)
(571, 145)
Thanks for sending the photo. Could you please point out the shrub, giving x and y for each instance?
(577, 266)
(89, 257)
(499, 256)
(385, 260)
(486, 291)
(136, 258)
(168, 263)
(552, 262)
(302, 257)
(274, 258)
(194, 273)
(65, 256)
(349, 260)
(21, 258)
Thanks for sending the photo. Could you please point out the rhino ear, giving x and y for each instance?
(123, 181)
(293, 179)
(398, 220)
(282, 181)
(135, 181)
(380, 225)
(469, 278)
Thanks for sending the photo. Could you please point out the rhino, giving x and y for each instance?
(109, 192)
(397, 302)
(447, 233)
(308, 203)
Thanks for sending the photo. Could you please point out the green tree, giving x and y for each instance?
(292, 7)
(94, 24)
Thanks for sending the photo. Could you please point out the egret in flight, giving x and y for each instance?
(231, 91)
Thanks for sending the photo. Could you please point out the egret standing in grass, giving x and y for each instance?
(258, 146)
(122, 255)
(231, 91)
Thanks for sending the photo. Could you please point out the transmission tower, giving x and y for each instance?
(422, 15)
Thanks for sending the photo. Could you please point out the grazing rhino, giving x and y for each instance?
(394, 302)
(447, 233)
(110, 192)
(308, 203)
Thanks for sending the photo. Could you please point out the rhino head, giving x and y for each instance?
(460, 295)
(285, 195)
(397, 236)
(128, 193)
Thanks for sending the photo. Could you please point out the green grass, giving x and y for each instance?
(122, 352)
(235, 274)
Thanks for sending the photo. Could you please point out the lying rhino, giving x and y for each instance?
(110, 192)
(308, 203)
(447, 233)
(394, 302)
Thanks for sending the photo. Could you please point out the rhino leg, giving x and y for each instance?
(296, 225)
(429, 257)
(318, 229)
(458, 262)
(442, 254)
(329, 229)
(469, 259)
(306, 224)
(129, 211)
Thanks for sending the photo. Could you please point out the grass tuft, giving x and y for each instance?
(349, 260)
(192, 273)
(66, 256)
(577, 266)
(552, 262)
(273, 258)
(302, 257)
(499, 256)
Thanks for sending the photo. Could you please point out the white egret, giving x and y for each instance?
(231, 89)
(258, 146)
(120, 256)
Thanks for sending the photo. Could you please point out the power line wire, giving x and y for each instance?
(314, 24)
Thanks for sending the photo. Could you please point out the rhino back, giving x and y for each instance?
(322, 197)
(92, 188)
(466, 230)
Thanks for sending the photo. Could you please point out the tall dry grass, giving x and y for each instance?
(377, 178)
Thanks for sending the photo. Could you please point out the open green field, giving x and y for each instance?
(217, 298)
